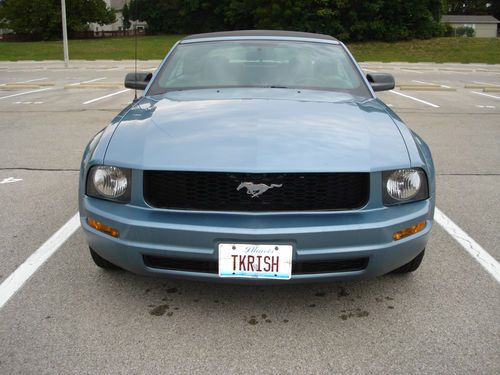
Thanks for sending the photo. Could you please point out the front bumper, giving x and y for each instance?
(315, 237)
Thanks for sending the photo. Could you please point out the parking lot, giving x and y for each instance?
(71, 317)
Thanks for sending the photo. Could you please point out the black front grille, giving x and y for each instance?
(218, 191)
(177, 264)
(298, 268)
(341, 265)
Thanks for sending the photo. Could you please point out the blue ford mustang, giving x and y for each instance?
(258, 156)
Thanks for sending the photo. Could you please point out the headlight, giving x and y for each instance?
(109, 182)
(404, 185)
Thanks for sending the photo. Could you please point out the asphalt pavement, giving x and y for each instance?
(72, 318)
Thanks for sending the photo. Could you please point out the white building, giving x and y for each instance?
(4, 32)
(117, 6)
(484, 26)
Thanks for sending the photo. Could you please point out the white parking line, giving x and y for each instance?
(486, 83)
(471, 246)
(34, 80)
(105, 96)
(10, 180)
(416, 99)
(17, 279)
(25, 93)
(92, 80)
(24, 70)
(27, 102)
(451, 71)
(369, 70)
(430, 83)
(480, 93)
(412, 71)
(31, 80)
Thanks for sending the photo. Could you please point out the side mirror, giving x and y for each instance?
(381, 81)
(137, 80)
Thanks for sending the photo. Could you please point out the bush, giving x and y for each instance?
(465, 31)
(448, 30)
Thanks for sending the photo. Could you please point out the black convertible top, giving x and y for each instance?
(261, 33)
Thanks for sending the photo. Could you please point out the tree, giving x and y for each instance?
(494, 9)
(41, 19)
(180, 16)
(474, 7)
(126, 17)
(349, 20)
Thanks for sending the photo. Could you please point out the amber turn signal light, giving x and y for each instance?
(102, 227)
(409, 231)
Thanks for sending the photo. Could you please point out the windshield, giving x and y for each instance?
(267, 64)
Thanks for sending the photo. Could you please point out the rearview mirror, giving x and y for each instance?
(381, 81)
(137, 80)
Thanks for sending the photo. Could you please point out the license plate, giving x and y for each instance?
(261, 261)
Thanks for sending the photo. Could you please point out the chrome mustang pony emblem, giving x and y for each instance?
(257, 189)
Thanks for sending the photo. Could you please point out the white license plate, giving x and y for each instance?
(263, 261)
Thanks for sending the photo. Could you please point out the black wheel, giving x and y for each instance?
(101, 262)
(411, 265)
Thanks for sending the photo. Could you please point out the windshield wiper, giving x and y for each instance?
(278, 87)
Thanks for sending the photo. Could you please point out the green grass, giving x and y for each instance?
(463, 50)
(439, 50)
(148, 48)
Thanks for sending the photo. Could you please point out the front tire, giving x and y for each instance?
(101, 262)
(412, 265)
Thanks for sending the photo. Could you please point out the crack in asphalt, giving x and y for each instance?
(477, 254)
(470, 245)
(488, 262)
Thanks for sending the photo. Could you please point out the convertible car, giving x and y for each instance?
(258, 157)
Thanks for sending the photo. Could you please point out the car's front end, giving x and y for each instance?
(257, 184)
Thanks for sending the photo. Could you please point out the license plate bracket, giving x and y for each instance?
(256, 261)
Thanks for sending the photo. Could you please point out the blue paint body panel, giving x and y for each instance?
(258, 130)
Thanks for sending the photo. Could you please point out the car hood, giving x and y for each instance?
(257, 135)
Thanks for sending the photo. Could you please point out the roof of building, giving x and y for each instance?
(468, 19)
(260, 33)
